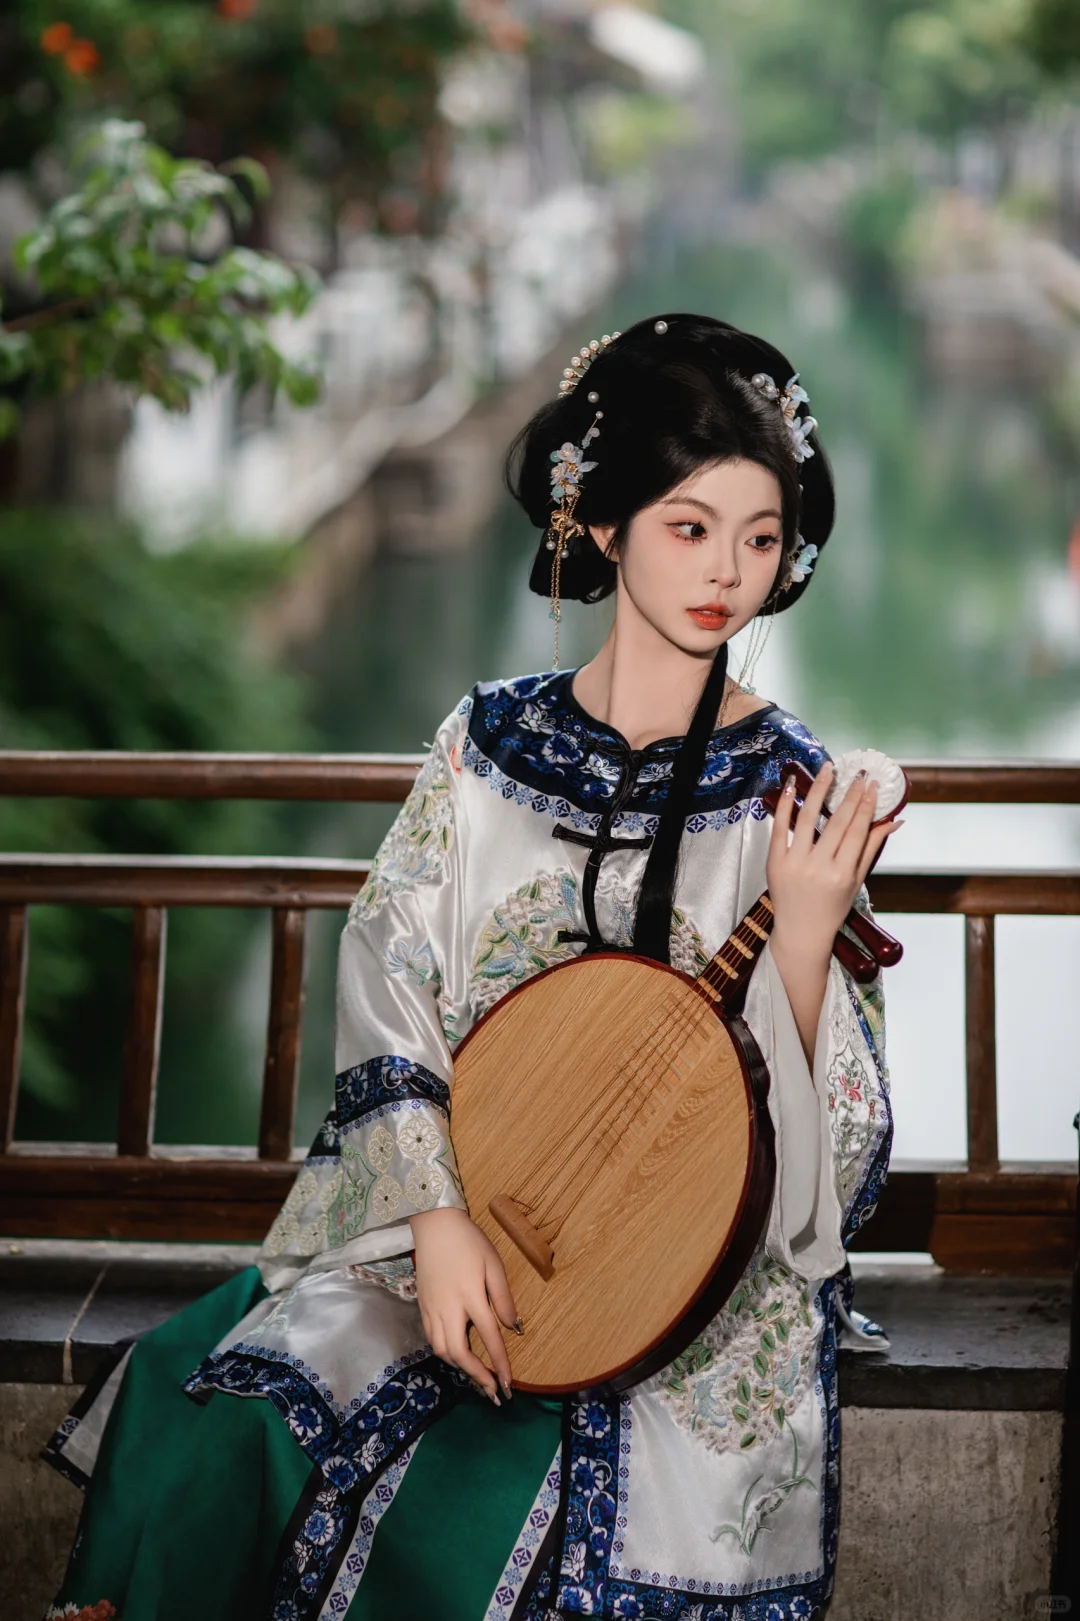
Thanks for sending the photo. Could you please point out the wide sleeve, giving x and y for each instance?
(393, 1063)
(832, 1124)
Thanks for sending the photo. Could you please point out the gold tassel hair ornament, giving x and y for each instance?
(569, 469)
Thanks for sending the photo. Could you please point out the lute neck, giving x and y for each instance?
(725, 978)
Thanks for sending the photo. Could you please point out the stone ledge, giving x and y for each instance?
(967, 1343)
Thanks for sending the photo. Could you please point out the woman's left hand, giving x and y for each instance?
(813, 884)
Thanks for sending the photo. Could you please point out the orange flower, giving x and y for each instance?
(237, 8)
(82, 58)
(56, 38)
(320, 39)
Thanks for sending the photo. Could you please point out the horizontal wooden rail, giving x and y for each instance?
(386, 778)
(976, 1215)
(1014, 1221)
(84, 774)
(178, 881)
(97, 880)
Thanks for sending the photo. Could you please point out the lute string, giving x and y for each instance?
(598, 1104)
(666, 1040)
(664, 1043)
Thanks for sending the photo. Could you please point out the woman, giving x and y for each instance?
(617, 805)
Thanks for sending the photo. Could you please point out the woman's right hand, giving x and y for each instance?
(460, 1280)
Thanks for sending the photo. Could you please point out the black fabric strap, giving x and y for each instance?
(652, 923)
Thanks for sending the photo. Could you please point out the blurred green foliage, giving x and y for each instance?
(1054, 36)
(811, 80)
(345, 90)
(125, 292)
(104, 646)
(873, 225)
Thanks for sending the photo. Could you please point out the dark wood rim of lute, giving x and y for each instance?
(755, 1199)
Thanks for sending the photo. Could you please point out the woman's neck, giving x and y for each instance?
(646, 688)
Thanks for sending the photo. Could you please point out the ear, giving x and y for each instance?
(603, 534)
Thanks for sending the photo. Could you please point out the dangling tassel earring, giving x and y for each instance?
(759, 635)
(555, 611)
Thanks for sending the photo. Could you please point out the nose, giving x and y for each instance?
(722, 569)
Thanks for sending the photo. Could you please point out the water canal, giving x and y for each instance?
(944, 624)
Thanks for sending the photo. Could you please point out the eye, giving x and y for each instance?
(761, 543)
(690, 524)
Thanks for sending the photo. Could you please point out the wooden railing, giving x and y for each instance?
(974, 1215)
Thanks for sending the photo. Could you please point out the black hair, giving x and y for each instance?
(674, 402)
(677, 395)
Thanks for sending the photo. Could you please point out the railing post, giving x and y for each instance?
(142, 1044)
(14, 939)
(281, 1073)
(981, 1044)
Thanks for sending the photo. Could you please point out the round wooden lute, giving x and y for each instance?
(610, 1123)
(614, 1143)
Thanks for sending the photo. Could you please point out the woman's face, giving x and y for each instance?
(698, 564)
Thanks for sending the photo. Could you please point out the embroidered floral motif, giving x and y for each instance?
(419, 966)
(736, 1384)
(398, 1275)
(521, 937)
(301, 1224)
(418, 1137)
(417, 846)
(395, 1151)
(101, 1611)
(535, 745)
(756, 1510)
(618, 899)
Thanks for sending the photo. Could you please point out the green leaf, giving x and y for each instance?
(9, 418)
(742, 1390)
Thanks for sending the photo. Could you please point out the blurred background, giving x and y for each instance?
(280, 281)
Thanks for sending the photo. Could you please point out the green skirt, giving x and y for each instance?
(188, 1506)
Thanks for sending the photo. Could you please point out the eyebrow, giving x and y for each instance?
(703, 506)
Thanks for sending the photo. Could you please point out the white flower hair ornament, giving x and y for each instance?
(567, 472)
(789, 398)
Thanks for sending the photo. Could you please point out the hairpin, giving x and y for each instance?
(579, 364)
(800, 565)
(789, 398)
(569, 469)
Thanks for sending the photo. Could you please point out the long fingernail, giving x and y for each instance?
(789, 786)
(493, 1395)
(518, 1326)
(507, 1389)
(859, 775)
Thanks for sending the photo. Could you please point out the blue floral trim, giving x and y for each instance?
(865, 1202)
(313, 1551)
(379, 1082)
(349, 1446)
(527, 1548)
(528, 738)
(327, 1546)
(865, 1199)
(584, 1583)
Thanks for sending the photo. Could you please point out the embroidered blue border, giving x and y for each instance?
(584, 1585)
(381, 1081)
(527, 738)
(349, 1445)
(864, 1200)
